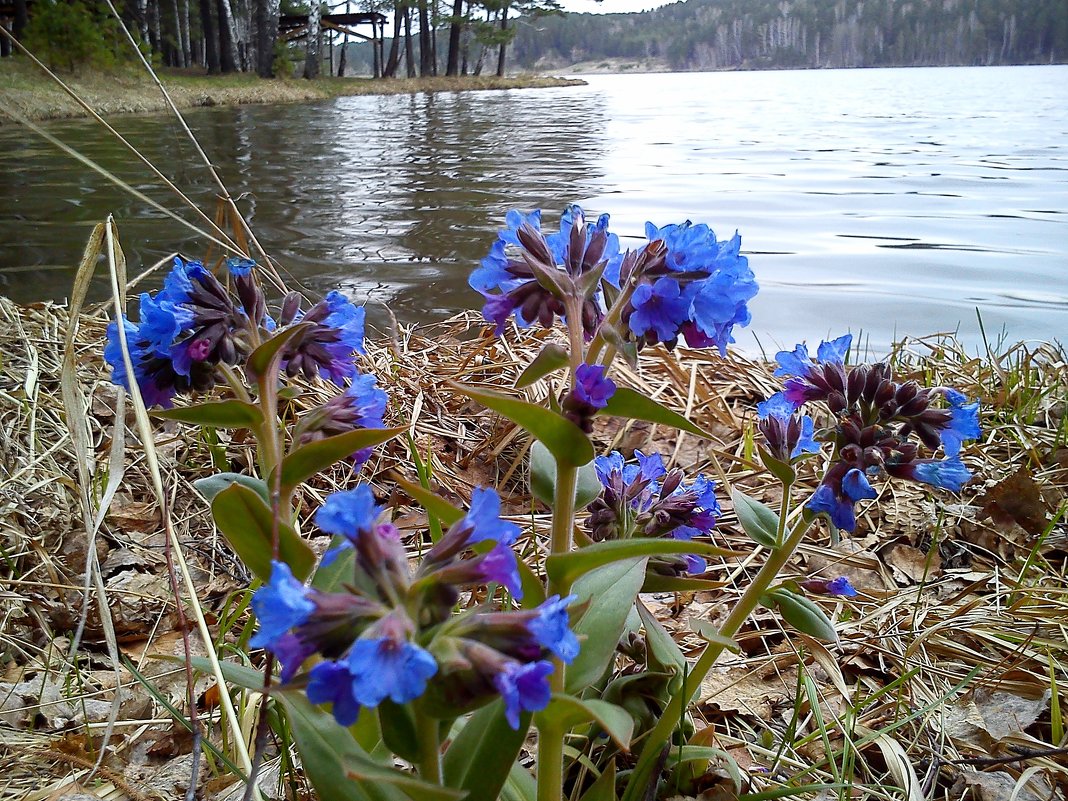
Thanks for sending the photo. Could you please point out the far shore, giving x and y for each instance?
(31, 94)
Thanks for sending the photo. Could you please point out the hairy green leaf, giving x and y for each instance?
(633, 405)
(566, 567)
(308, 460)
(569, 711)
(481, 756)
(567, 442)
(210, 486)
(259, 361)
(219, 414)
(551, 359)
(543, 478)
(759, 522)
(246, 522)
(803, 614)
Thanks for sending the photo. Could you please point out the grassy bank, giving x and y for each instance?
(32, 94)
(951, 662)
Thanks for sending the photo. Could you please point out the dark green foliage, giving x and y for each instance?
(760, 34)
(70, 35)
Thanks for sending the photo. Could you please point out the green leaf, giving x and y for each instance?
(236, 674)
(569, 711)
(246, 523)
(611, 590)
(656, 583)
(780, 469)
(398, 730)
(308, 460)
(663, 649)
(628, 350)
(259, 361)
(332, 758)
(626, 402)
(551, 359)
(708, 631)
(759, 522)
(533, 587)
(333, 577)
(520, 785)
(803, 614)
(210, 486)
(564, 568)
(567, 442)
(434, 504)
(482, 754)
(220, 414)
(604, 789)
(543, 478)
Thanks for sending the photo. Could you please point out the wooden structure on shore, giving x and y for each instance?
(295, 26)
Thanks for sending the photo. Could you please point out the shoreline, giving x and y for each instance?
(35, 96)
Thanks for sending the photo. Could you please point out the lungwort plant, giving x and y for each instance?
(422, 679)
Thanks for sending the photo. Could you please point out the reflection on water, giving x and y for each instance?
(888, 201)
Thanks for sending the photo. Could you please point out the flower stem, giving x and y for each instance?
(429, 748)
(642, 776)
(550, 761)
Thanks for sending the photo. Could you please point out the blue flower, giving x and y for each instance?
(113, 352)
(552, 628)
(154, 375)
(163, 321)
(950, 474)
(592, 386)
(332, 683)
(388, 667)
(497, 309)
(239, 266)
(856, 487)
(660, 308)
(366, 401)
(690, 247)
(484, 519)
(280, 605)
(840, 509)
(798, 363)
(787, 434)
(347, 323)
(523, 688)
(841, 587)
(291, 651)
(501, 567)
(963, 424)
(348, 512)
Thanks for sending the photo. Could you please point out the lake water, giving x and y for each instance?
(888, 202)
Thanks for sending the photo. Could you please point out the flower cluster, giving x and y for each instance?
(184, 331)
(535, 279)
(394, 633)
(643, 499)
(685, 283)
(875, 417)
(195, 323)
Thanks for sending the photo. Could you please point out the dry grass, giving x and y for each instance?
(34, 96)
(955, 642)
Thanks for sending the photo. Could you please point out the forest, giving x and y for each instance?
(770, 34)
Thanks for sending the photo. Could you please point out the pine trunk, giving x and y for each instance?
(504, 43)
(211, 37)
(425, 51)
(456, 28)
(409, 57)
(390, 68)
(311, 60)
(228, 60)
(267, 13)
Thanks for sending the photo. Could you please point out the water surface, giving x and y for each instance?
(886, 201)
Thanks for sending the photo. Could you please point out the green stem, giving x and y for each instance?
(429, 748)
(550, 761)
(777, 559)
(611, 318)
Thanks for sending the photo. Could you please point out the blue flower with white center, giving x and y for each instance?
(552, 628)
(484, 519)
(280, 605)
(524, 688)
(389, 667)
(963, 423)
(332, 683)
(592, 386)
(660, 309)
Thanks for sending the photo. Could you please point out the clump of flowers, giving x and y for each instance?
(641, 498)
(195, 325)
(683, 282)
(395, 634)
(874, 418)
